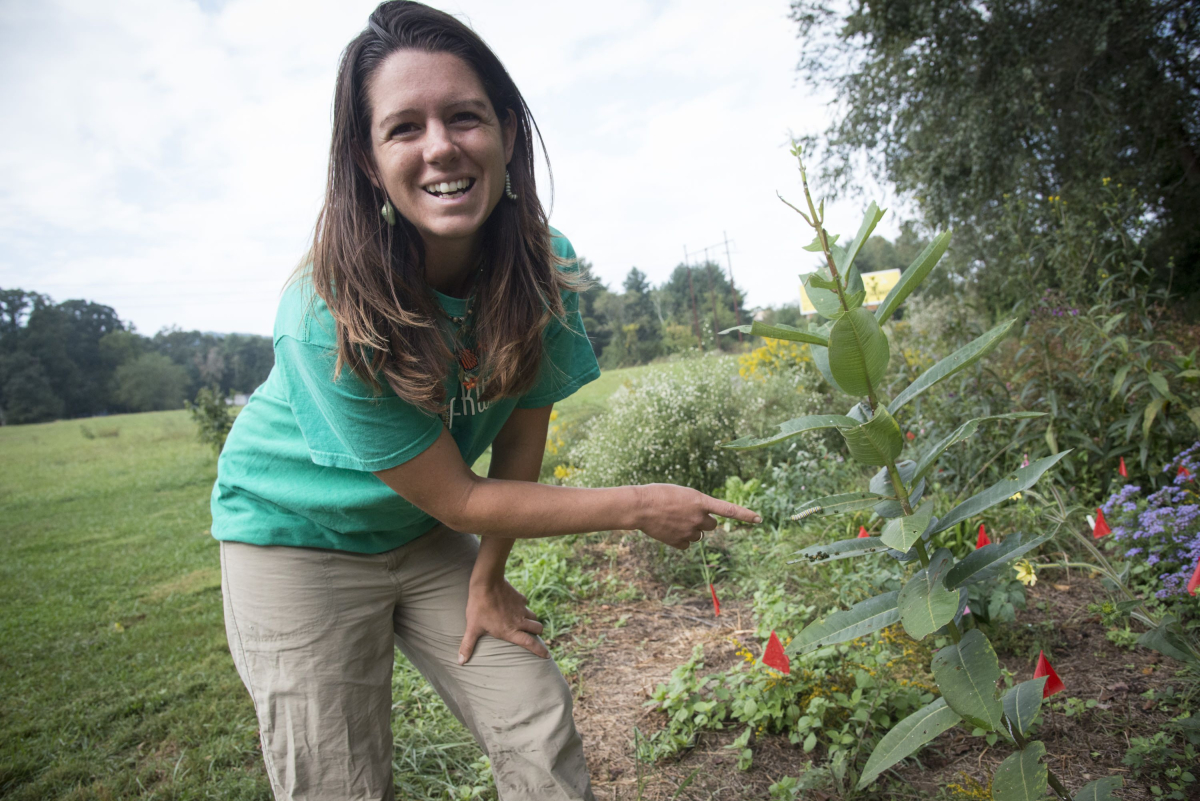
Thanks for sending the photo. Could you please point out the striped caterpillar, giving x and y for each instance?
(801, 515)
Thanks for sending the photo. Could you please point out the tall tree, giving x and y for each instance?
(962, 103)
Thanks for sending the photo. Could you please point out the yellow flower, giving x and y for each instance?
(1026, 573)
(1105, 181)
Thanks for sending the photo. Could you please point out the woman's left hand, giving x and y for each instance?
(495, 607)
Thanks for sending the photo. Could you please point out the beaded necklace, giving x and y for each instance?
(465, 356)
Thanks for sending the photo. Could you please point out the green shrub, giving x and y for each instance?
(213, 417)
(667, 426)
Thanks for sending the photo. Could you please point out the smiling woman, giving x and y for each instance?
(437, 316)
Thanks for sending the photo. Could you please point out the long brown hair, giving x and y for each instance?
(372, 275)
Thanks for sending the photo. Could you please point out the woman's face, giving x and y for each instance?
(438, 144)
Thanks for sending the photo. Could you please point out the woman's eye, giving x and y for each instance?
(465, 116)
(404, 128)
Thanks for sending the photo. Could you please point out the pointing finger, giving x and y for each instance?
(732, 511)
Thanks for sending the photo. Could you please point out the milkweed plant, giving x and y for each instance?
(851, 350)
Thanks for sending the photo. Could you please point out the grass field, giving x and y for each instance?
(115, 676)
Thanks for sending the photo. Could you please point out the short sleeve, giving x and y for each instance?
(344, 423)
(568, 361)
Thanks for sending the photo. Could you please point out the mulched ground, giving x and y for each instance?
(641, 642)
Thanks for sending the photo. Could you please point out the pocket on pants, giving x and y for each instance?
(277, 594)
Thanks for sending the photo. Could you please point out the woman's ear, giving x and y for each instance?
(509, 128)
(367, 164)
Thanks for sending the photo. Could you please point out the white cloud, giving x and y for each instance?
(169, 161)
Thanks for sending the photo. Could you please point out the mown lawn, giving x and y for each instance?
(115, 676)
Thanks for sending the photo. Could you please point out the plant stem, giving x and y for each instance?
(898, 486)
(817, 221)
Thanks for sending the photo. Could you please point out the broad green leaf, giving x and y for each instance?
(854, 282)
(986, 562)
(1152, 409)
(1113, 322)
(877, 442)
(821, 360)
(821, 281)
(860, 412)
(858, 352)
(792, 428)
(1100, 790)
(962, 433)
(865, 617)
(901, 532)
(1159, 382)
(824, 300)
(881, 482)
(839, 504)
(855, 299)
(1119, 380)
(871, 218)
(760, 329)
(1022, 776)
(911, 278)
(925, 603)
(1023, 702)
(960, 360)
(815, 246)
(1167, 639)
(1194, 415)
(843, 549)
(907, 736)
(966, 673)
(1018, 481)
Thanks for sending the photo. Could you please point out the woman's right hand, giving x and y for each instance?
(677, 516)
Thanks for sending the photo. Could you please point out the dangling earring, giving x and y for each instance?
(388, 212)
(511, 195)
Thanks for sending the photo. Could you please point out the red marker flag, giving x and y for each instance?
(862, 532)
(716, 603)
(1194, 584)
(1121, 469)
(774, 657)
(983, 538)
(1053, 683)
(1101, 525)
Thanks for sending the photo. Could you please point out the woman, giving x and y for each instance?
(437, 318)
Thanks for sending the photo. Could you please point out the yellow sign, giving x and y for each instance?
(877, 284)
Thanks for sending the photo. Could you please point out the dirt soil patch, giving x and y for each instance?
(640, 643)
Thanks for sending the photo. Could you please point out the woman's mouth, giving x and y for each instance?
(449, 190)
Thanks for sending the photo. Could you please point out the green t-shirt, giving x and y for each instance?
(297, 466)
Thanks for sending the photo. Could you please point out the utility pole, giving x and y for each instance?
(712, 291)
(692, 292)
(737, 307)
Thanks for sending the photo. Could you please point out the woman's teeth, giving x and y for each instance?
(451, 188)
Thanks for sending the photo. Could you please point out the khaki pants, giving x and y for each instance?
(312, 635)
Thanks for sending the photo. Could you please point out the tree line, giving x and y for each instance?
(642, 322)
(78, 359)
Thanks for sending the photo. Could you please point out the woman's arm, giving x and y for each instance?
(439, 483)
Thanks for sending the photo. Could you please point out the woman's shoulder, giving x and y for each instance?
(302, 313)
(563, 249)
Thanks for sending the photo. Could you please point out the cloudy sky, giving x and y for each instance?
(167, 157)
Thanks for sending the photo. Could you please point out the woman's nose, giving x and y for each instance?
(439, 145)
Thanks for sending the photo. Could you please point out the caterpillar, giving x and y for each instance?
(810, 511)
